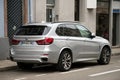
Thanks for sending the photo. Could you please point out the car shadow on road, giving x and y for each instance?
(52, 68)
(79, 65)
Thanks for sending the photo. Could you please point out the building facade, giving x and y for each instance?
(12, 15)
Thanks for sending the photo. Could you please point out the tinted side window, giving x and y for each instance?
(71, 30)
(84, 31)
(68, 30)
(60, 30)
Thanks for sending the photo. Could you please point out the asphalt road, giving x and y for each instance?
(79, 71)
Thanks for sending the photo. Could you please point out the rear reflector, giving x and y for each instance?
(15, 42)
(45, 41)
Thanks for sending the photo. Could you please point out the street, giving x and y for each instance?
(80, 71)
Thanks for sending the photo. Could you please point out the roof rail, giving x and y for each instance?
(66, 22)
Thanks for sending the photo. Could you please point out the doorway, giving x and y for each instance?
(116, 29)
(102, 18)
(14, 14)
(103, 25)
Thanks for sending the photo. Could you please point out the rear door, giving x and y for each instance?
(74, 40)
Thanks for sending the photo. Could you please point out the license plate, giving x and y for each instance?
(27, 43)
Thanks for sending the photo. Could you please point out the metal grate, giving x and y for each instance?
(14, 10)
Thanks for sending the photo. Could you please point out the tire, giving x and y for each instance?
(65, 61)
(24, 65)
(105, 56)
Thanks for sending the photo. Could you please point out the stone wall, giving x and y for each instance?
(4, 48)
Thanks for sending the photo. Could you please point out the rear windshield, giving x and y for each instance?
(32, 30)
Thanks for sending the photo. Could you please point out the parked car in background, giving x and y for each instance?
(61, 43)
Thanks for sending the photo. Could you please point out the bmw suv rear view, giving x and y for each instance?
(61, 43)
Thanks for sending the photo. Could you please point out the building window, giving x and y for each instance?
(77, 10)
(49, 10)
(50, 1)
(49, 15)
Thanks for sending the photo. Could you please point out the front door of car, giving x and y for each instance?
(91, 46)
(78, 47)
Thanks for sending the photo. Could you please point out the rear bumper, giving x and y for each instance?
(34, 56)
(28, 60)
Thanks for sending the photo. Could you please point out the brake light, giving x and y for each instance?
(45, 41)
(15, 42)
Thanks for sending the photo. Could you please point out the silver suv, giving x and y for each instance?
(61, 43)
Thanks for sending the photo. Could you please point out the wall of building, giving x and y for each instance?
(65, 10)
(116, 4)
(40, 10)
(87, 16)
(36, 11)
(4, 45)
(1, 18)
(4, 48)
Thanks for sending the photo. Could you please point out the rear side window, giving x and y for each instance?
(68, 30)
(60, 30)
(71, 30)
(32, 30)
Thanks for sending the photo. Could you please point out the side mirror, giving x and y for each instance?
(93, 35)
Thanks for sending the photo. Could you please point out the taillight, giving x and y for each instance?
(45, 41)
(15, 42)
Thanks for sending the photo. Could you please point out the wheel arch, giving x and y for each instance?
(107, 47)
(104, 47)
(66, 49)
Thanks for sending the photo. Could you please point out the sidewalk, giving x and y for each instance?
(115, 51)
(9, 65)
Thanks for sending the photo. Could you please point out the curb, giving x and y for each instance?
(115, 54)
(8, 68)
(7, 65)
